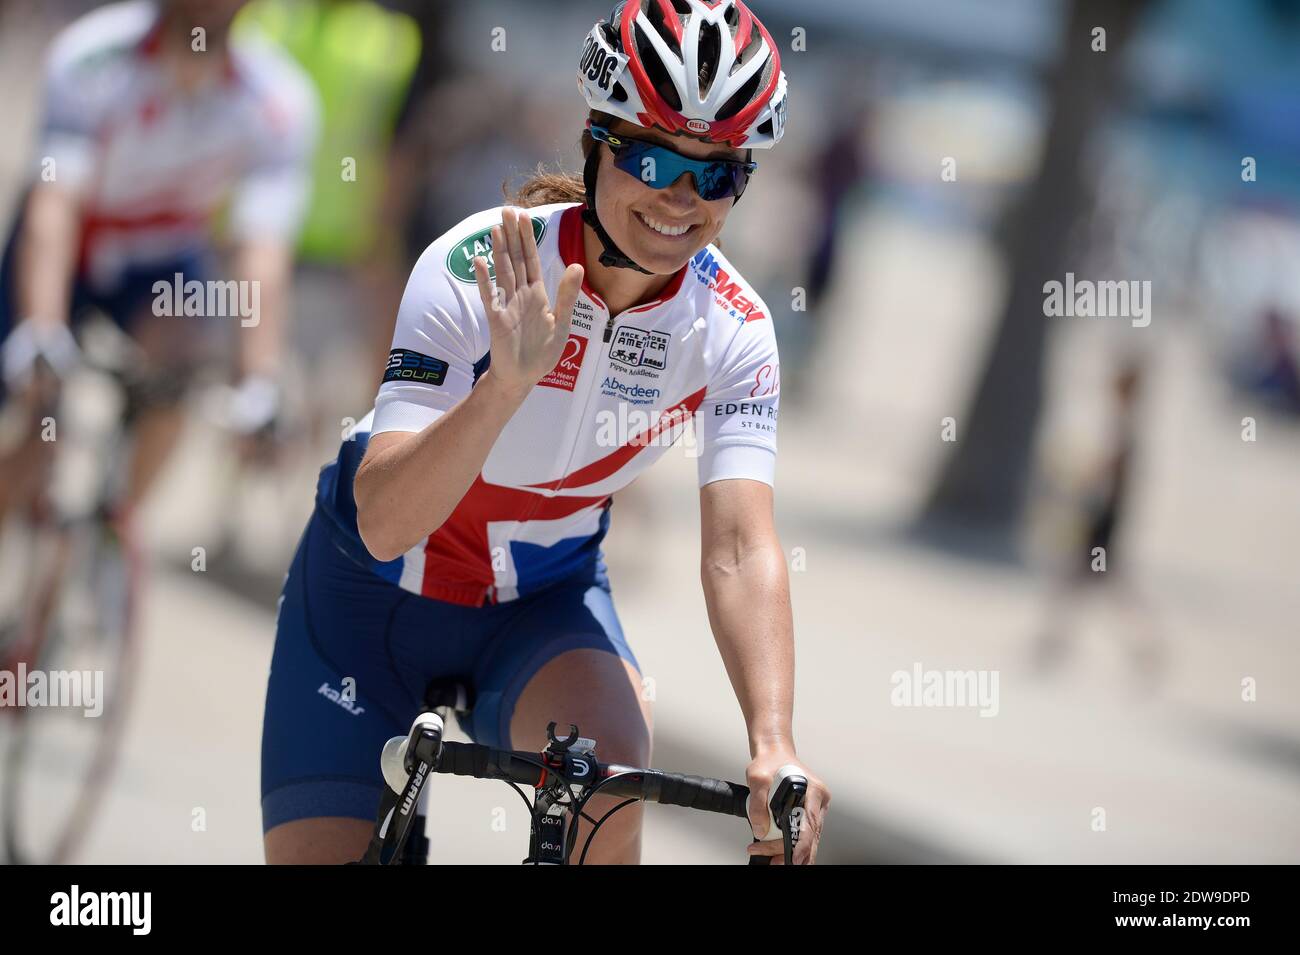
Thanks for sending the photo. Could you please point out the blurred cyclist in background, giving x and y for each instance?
(156, 129)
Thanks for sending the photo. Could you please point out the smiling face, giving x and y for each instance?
(660, 229)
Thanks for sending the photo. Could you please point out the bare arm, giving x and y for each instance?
(747, 590)
(269, 264)
(409, 483)
(47, 254)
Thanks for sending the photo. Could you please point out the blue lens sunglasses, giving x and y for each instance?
(659, 167)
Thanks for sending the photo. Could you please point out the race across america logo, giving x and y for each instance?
(728, 292)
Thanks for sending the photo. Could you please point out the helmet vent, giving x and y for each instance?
(656, 70)
(751, 50)
(618, 94)
(655, 14)
(710, 53)
(742, 97)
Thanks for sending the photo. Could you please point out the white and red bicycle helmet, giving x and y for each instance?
(708, 68)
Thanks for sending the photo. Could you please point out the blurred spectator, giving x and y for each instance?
(1273, 374)
(836, 169)
(1095, 563)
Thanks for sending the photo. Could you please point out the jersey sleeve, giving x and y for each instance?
(274, 194)
(736, 422)
(440, 347)
(70, 117)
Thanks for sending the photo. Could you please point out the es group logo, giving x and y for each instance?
(565, 373)
(407, 365)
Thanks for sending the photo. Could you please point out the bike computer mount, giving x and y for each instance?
(573, 763)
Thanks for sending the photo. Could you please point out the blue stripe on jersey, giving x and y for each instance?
(334, 495)
(536, 564)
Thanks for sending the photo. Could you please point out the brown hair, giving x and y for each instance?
(546, 186)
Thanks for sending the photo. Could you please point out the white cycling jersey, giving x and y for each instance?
(154, 166)
(623, 391)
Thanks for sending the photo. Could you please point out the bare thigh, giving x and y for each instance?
(328, 840)
(601, 694)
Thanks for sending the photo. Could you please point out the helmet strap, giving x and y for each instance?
(611, 255)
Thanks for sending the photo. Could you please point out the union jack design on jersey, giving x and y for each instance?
(621, 394)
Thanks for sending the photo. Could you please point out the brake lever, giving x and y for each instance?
(785, 803)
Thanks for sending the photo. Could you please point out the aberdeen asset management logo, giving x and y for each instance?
(565, 373)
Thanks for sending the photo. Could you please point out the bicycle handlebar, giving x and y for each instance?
(669, 789)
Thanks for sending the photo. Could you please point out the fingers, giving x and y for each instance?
(759, 818)
(515, 244)
(566, 296)
(486, 289)
(501, 262)
(775, 851)
(532, 262)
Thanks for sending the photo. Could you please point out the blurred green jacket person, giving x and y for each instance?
(361, 57)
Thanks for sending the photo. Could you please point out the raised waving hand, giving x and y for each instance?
(528, 335)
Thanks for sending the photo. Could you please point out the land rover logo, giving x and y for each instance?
(460, 260)
(698, 125)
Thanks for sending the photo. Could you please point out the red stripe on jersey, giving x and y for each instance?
(612, 462)
(457, 558)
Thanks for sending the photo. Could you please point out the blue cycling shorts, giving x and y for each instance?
(340, 621)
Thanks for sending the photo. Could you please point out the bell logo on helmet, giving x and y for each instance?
(698, 125)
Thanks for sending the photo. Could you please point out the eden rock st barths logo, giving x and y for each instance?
(460, 260)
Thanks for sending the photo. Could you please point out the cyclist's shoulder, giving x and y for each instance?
(451, 255)
(730, 299)
(102, 39)
(275, 80)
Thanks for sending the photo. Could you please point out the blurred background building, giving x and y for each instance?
(950, 453)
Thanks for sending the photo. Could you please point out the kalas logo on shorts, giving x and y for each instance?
(728, 292)
(460, 260)
(565, 373)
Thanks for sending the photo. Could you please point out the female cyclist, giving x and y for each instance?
(458, 532)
